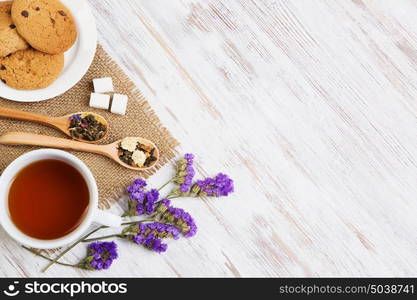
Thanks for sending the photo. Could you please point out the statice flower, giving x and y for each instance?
(159, 230)
(151, 242)
(136, 190)
(164, 204)
(221, 185)
(150, 235)
(181, 219)
(100, 255)
(137, 185)
(185, 173)
(151, 198)
(141, 201)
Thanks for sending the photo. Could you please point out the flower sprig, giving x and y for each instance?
(100, 255)
(164, 221)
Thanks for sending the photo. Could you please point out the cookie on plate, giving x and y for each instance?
(30, 69)
(47, 25)
(10, 40)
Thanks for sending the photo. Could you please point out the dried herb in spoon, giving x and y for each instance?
(86, 127)
(136, 154)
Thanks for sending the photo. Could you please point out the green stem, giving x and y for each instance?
(48, 258)
(170, 195)
(187, 195)
(55, 260)
(135, 222)
(115, 235)
(164, 185)
(102, 238)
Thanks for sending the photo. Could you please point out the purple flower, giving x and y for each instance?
(141, 201)
(137, 186)
(140, 182)
(150, 235)
(166, 202)
(76, 117)
(221, 185)
(138, 196)
(149, 205)
(163, 205)
(158, 246)
(159, 230)
(151, 242)
(185, 173)
(189, 157)
(152, 195)
(139, 209)
(100, 255)
(180, 219)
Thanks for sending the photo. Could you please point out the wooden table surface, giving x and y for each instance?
(309, 105)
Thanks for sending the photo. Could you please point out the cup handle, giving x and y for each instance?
(104, 218)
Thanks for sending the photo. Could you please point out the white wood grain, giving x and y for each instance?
(309, 105)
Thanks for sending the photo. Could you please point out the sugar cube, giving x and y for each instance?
(119, 104)
(99, 100)
(103, 85)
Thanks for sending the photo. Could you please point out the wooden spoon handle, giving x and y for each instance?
(25, 116)
(25, 138)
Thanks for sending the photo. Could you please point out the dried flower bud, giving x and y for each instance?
(221, 185)
(195, 189)
(181, 219)
(100, 255)
(185, 174)
(150, 235)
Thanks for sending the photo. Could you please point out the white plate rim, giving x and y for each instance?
(86, 45)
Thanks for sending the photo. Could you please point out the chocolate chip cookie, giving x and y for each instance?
(30, 69)
(10, 40)
(47, 25)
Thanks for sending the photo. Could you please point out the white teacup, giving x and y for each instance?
(93, 214)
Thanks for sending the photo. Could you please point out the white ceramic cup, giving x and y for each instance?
(93, 214)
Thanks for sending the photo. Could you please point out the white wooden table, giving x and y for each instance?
(309, 105)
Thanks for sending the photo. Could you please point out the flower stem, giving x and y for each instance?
(164, 185)
(84, 240)
(102, 238)
(55, 260)
(185, 195)
(48, 258)
(114, 235)
(134, 222)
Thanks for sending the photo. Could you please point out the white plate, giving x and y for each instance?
(77, 59)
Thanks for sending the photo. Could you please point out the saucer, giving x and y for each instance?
(77, 59)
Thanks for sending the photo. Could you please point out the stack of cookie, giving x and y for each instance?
(34, 34)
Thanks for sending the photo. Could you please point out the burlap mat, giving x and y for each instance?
(140, 120)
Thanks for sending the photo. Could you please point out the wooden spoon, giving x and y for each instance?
(110, 150)
(61, 123)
